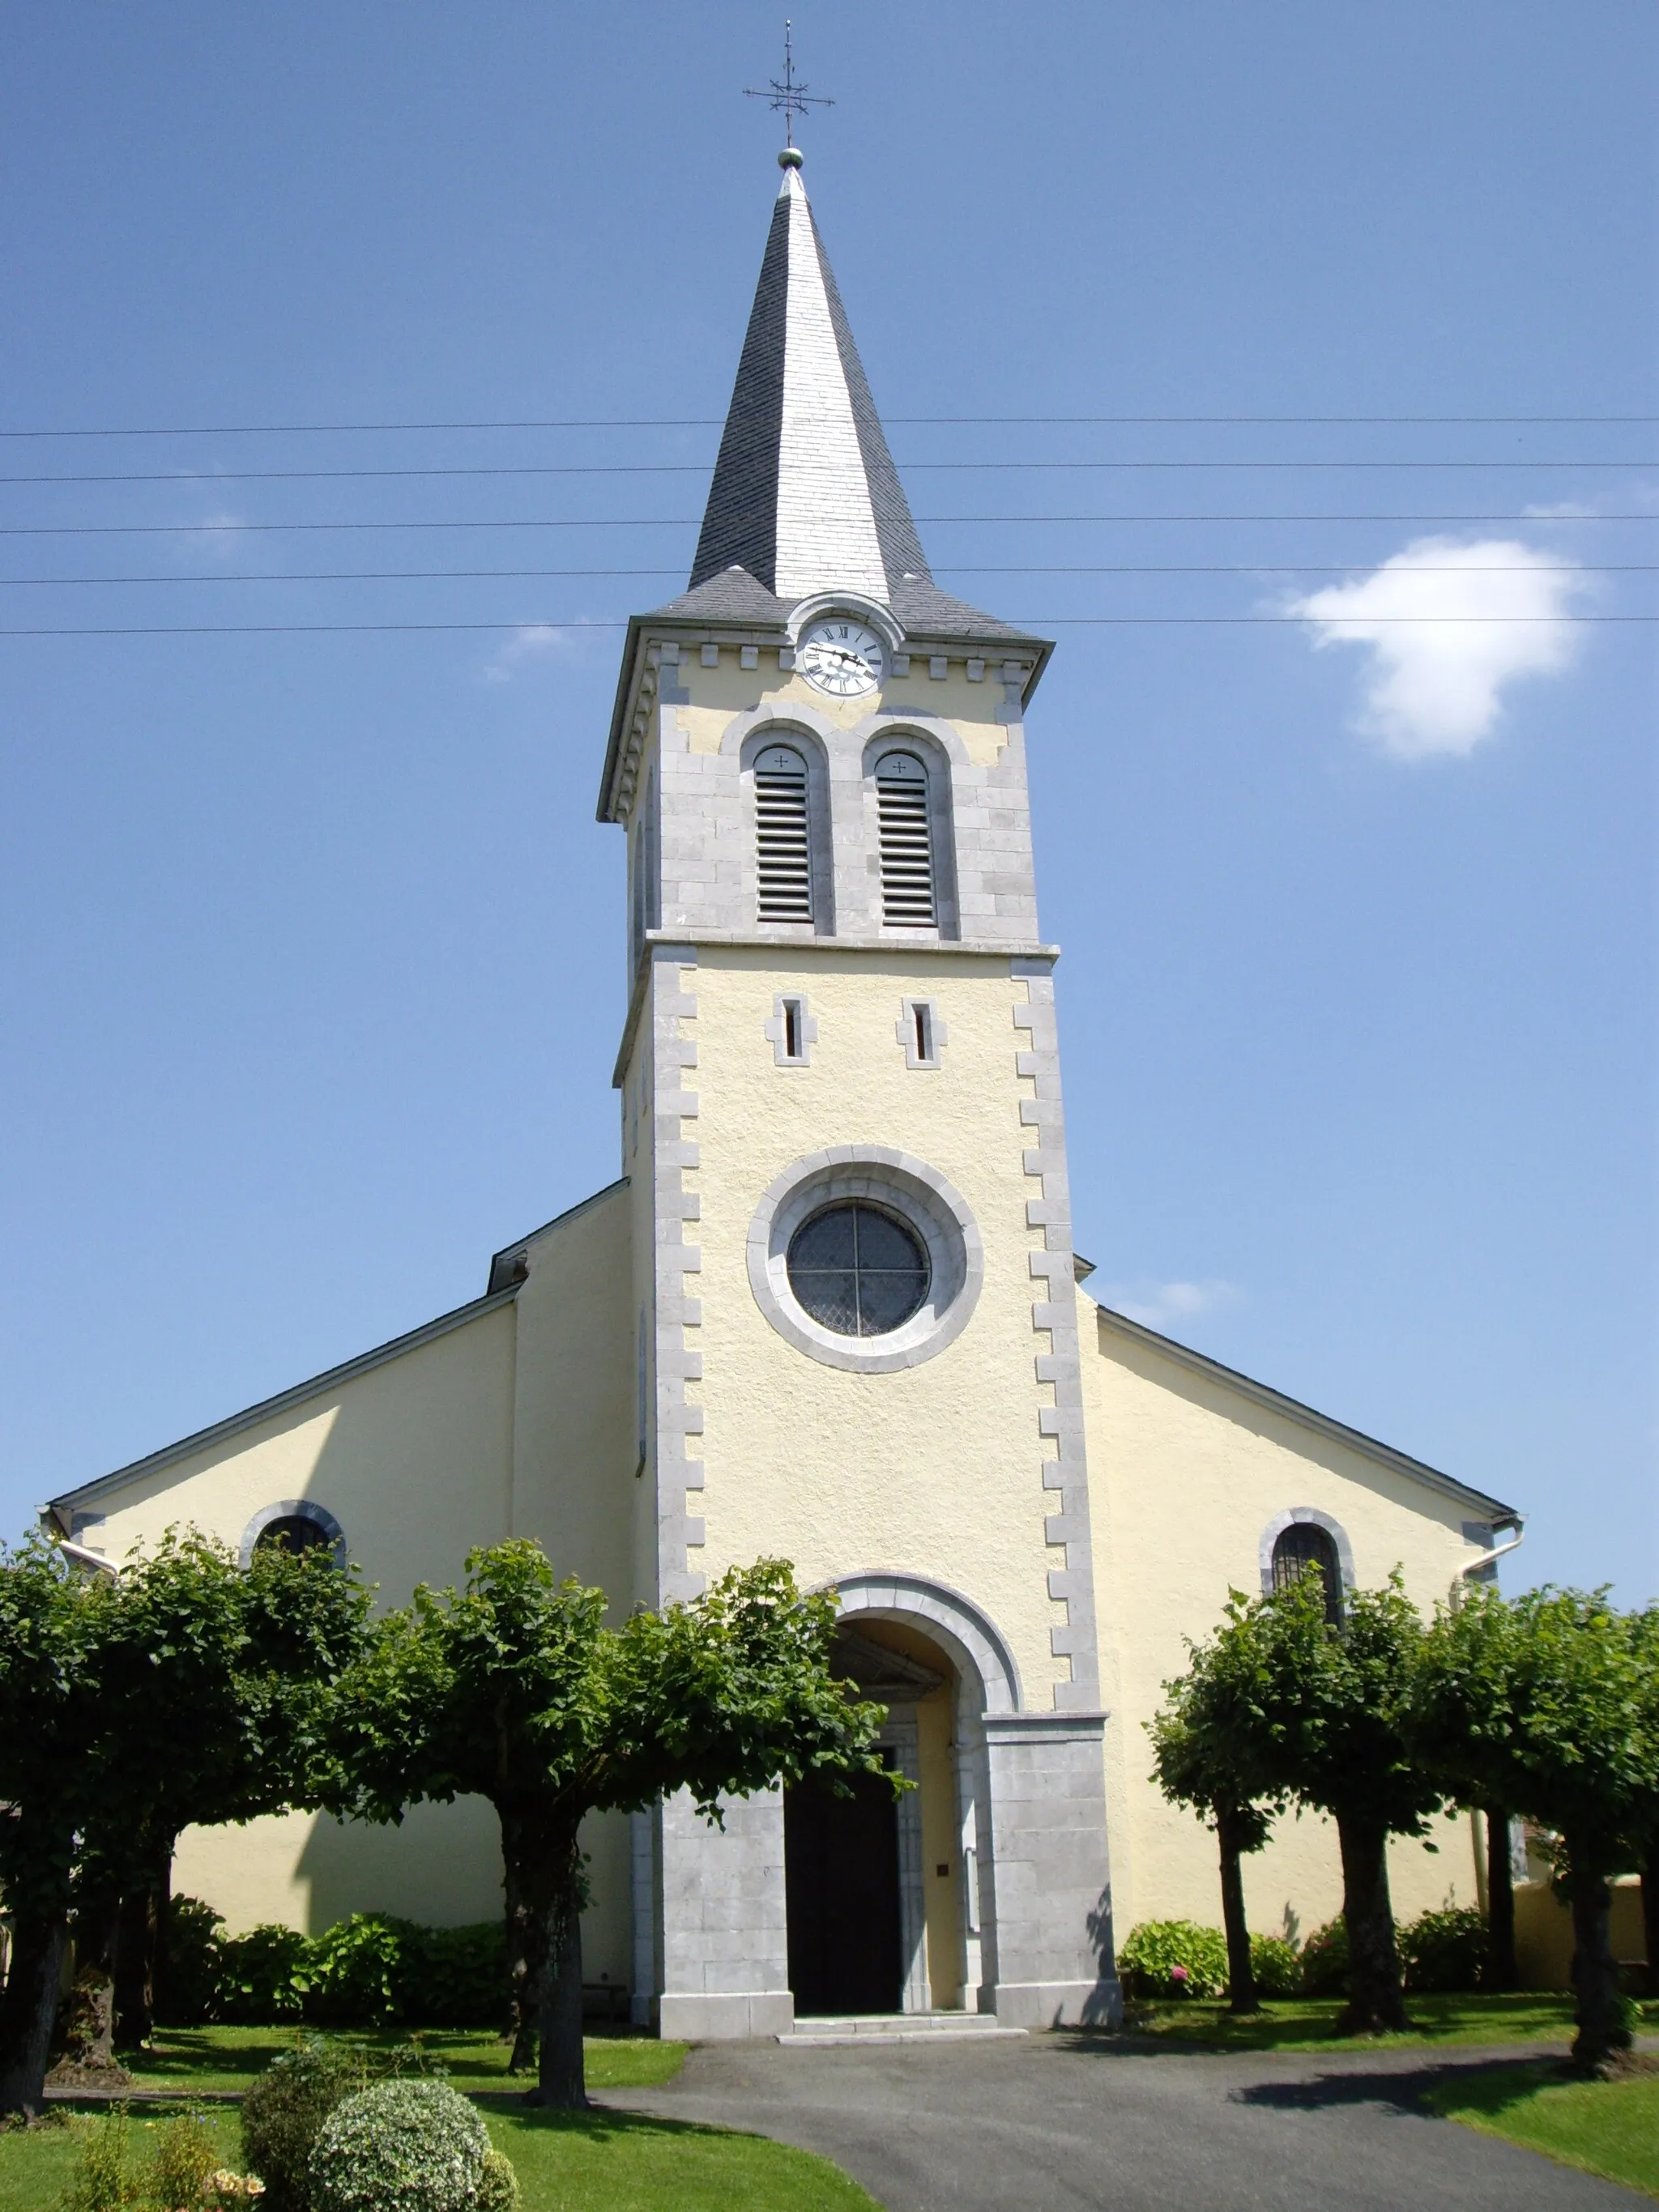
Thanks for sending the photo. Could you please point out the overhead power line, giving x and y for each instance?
(715, 421)
(225, 527)
(1031, 622)
(701, 468)
(1001, 569)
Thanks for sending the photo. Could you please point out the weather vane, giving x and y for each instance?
(787, 92)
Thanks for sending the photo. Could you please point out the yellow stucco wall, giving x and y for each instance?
(573, 1431)
(1544, 1938)
(935, 1469)
(1185, 1472)
(518, 1421)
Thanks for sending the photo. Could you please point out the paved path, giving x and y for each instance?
(1060, 2124)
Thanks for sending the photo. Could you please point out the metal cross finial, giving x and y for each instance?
(787, 92)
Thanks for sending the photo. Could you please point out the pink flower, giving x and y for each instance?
(1178, 1973)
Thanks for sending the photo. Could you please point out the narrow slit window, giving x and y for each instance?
(907, 843)
(923, 1015)
(792, 1029)
(783, 850)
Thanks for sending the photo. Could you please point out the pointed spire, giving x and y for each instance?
(804, 493)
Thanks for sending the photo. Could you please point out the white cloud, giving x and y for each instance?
(1157, 1305)
(1448, 627)
(534, 642)
(218, 533)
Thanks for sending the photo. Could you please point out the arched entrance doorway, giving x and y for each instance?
(873, 1879)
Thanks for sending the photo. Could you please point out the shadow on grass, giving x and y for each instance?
(1305, 2024)
(599, 2123)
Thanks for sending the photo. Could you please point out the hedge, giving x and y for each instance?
(1444, 1950)
(371, 1971)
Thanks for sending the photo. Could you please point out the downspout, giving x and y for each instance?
(1460, 1583)
(60, 1537)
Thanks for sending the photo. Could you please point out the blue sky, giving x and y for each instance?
(312, 946)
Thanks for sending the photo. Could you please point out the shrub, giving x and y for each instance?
(264, 1977)
(498, 2185)
(284, 2109)
(1444, 1950)
(370, 1971)
(402, 2147)
(1325, 1961)
(193, 1963)
(358, 1971)
(1173, 1958)
(1277, 1966)
(458, 1977)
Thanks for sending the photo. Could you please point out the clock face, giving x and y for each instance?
(842, 656)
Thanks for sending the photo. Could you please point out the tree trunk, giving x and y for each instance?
(1375, 2006)
(89, 2029)
(137, 1945)
(27, 2010)
(1650, 1910)
(1502, 1971)
(543, 1866)
(563, 2083)
(526, 1950)
(1598, 2015)
(1242, 1993)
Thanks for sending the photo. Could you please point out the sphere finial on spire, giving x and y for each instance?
(790, 158)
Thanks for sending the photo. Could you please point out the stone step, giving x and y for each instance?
(866, 2028)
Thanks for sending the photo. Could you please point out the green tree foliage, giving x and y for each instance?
(514, 1689)
(1194, 1763)
(45, 1708)
(1296, 1706)
(183, 1691)
(1547, 1703)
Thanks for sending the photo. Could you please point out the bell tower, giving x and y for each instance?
(843, 1134)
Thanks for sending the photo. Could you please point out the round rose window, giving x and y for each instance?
(858, 1269)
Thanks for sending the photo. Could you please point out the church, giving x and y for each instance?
(830, 1310)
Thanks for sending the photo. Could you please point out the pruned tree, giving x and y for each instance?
(1198, 1761)
(1308, 1708)
(1547, 1702)
(45, 1708)
(182, 1691)
(211, 1686)
(514, 1689)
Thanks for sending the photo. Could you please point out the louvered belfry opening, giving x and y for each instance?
(783, 845)
(907, 843)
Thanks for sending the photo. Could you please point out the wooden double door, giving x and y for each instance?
(841, 1885)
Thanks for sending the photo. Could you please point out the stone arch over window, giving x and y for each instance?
(295, 1524)
(1306, 1537)
(909, 816)
(788, 862)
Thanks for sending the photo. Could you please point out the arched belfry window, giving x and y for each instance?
(783, 843)
(904, 820)
(1303, 1545)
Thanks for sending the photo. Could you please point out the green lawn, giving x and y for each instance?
(592, 2162)
(202, 2058)
(1309, 2023)
(1609, 2127)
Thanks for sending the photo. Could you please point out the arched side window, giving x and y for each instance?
(783, 840)
(909, 896)
(1304, 1544)
(296, 1525)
